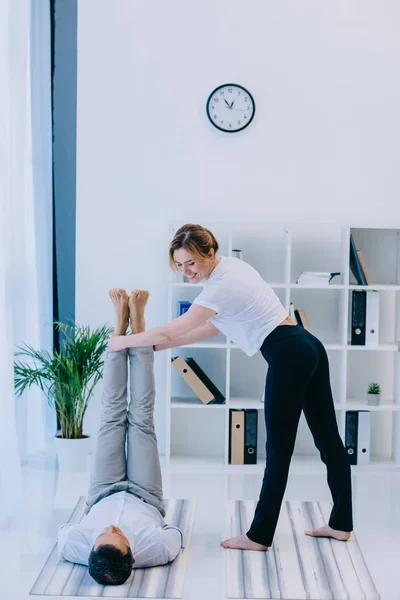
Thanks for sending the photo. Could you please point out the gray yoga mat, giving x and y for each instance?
(297, 566)
(62, 578)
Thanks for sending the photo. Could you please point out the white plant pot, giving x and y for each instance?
(374, 399)
(72, 454)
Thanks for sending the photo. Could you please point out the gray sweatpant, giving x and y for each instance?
(136, 468)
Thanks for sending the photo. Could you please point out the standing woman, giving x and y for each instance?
(238, 302)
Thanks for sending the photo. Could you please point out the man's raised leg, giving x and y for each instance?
(143, 462)
(109, 461)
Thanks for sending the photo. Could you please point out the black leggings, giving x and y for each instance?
(298, 379)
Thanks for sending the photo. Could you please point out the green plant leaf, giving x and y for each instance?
(67, 377)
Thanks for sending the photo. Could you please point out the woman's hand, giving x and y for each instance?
(117, 342)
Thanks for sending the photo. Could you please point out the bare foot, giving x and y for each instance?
(242, 542)
(326, 531)
(137, 302)
(120, 299)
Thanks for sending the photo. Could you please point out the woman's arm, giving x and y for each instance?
(202, 332)
(195, 316)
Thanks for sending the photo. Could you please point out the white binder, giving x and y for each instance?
(364, 437)
(372, 318)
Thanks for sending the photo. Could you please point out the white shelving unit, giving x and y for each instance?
(197, 436)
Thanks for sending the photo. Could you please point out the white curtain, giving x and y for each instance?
(27, 423)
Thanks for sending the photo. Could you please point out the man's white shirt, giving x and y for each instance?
(152, 541)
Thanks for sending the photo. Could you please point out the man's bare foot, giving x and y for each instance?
(120, 299)
(326, 531)
(242, 542)
(137, 302)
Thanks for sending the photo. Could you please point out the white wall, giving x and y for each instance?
(323, 144)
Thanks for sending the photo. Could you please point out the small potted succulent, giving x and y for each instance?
(374, 394)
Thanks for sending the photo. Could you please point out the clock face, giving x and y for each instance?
(230, 107)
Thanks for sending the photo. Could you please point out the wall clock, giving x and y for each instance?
(230, 107)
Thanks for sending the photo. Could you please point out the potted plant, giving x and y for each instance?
(68, 377)
(374, 394)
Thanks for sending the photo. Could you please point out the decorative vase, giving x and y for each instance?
(72, 453)
(374, 399)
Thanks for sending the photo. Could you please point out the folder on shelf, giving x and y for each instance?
(236, 437)
(197, 380)
(298, 318)
(358, 316)
(372, 318)
(303, 320)
(250, 436)
(364, 267)
(243, 433)
(355, 264)
(357, 436)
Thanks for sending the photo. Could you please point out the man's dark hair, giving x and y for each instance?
(109, 566)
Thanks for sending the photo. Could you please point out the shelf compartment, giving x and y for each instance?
(247, 375)
(211, 361)
(383, 430)
(317, 247)
(384, 266)
(188, 293)
(365, 367)
(200, 434)
(264, 247)
(388, 301)
(324, 309)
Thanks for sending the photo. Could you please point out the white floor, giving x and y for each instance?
(50, 497)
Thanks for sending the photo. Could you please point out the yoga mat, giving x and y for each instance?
(63, 578)
(297, 566)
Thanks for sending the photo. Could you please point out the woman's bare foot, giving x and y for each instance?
(137, 302)
(326, 531)
(120, 299)
(242, 542)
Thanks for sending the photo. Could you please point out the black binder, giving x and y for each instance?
(358, 317)
(250, 436)
(351, 434)
(357, 436)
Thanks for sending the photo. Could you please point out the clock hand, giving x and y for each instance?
(227, 103)
(232, 103)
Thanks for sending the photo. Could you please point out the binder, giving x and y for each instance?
(364, 435)
(298, 318)
(250, 438)
(364, 267)
(372, 318)
(355, 264)
(236, 436)
(183, 306)
(197, 380)
(351, 434)
(358, 316)
(304, 320)
(357, 436)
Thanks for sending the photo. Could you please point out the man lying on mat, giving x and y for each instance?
(124, 525)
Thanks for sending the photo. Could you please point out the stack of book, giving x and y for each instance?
(197, 380)
(316, 277)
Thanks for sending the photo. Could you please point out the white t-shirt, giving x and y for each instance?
(152, 542)
(247, 307)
